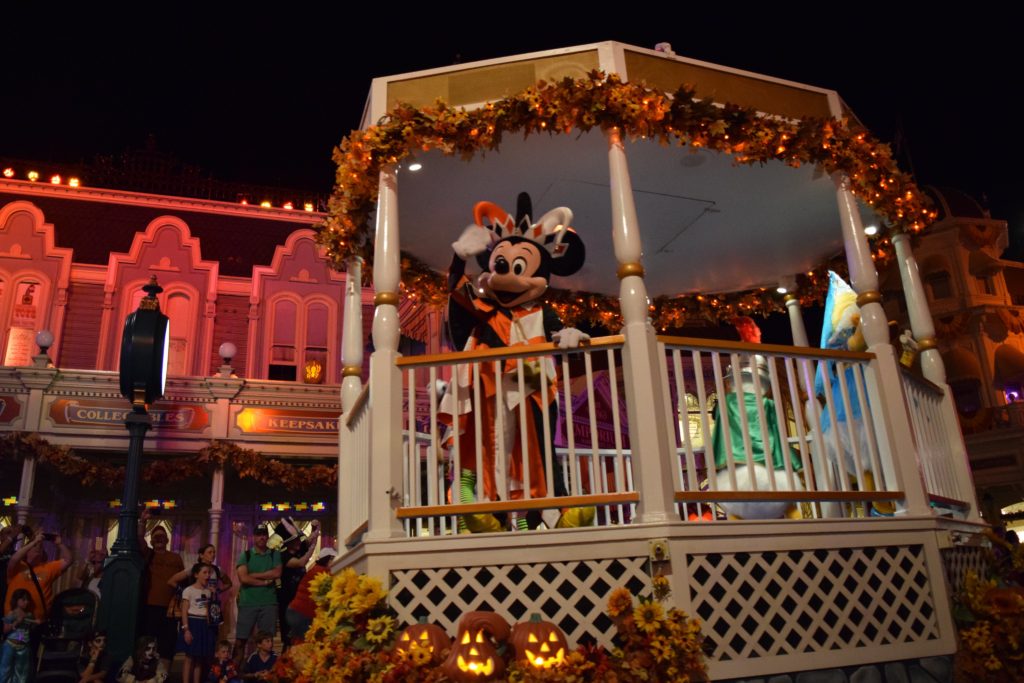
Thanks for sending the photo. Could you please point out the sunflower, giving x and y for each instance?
(648, 617)
(619, 602)
(380, 629)
(420, 656)
(661, 587)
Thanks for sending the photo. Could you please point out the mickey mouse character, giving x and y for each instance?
(502, 308)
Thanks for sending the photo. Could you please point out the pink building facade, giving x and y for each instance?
(243, 279)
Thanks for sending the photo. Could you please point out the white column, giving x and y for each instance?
(28, 480)
(216, 505)
(796, 320)
(811, 406)
(644, 398)
(921, 323)
(934, 370)
(353, 481)
(385, 491)
(884, 383)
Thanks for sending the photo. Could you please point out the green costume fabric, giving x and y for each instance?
(757, 449)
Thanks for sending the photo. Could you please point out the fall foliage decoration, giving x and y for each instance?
(990, 617)
(603, 101)
(247, 464)
(355, 637)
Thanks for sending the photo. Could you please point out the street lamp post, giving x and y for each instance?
(143, 377)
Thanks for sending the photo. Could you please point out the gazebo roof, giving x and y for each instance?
(708, 225)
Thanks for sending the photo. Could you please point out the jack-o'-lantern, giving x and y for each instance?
(424, 636)
(474, 655)
(541, 644)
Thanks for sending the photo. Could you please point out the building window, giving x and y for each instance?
(940, 285)
(967, 395)
(300, 341)
(22, 305)
(986, 285)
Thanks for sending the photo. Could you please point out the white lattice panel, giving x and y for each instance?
(570, 594)
(959, 560)
(806, 601)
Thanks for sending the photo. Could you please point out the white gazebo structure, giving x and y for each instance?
(835, 584)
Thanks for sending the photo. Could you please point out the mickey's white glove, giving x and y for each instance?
(569, 338)
(474, 240)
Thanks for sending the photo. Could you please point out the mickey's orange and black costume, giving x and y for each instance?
(502, 308)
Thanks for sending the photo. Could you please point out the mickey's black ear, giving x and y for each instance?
(483, 259)
(573, 258)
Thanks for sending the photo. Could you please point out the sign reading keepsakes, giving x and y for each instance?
(283, 421)
(99, 412)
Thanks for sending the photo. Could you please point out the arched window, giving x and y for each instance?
(301, 335)
(23, 305)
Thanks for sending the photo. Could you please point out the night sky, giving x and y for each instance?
(262, 97)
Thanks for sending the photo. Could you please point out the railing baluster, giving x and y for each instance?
(616, 428)
(723, 420)
(839, 463)
(570, 430)
(769, 462)
(673, 440)
(881, 484)
(501, 462)
(595, 480)
(545, 418)
(851, 434)
(524, 445)
(691, 482)
(479, 442)
(705, 424)
(736, 368)
(780, 420)
(796, 405)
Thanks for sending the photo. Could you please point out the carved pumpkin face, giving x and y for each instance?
(474, 655)
(539, 643)
(427, 637)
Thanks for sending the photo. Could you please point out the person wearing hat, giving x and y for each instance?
(301, 609)
(258, 569)
(294, 558)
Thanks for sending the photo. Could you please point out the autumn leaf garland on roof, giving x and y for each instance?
(604, 101)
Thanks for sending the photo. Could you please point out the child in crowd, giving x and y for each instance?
(223, 669)
(144, 666)
(16, 656)
(260, 662)
(196, 638)
(94, 662)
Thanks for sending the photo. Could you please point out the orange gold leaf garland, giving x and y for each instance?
(247, 463)
(604, 101)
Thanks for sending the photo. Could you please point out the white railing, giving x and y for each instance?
(356, 423)
(539, 429)
(935, 449)
(730, 404)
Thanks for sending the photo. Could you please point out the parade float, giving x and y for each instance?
(811, 507)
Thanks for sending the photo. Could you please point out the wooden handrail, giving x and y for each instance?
(523, 351)
(918, 379)
(949, 502)
(358, 406)
(792, 496)
(778, 349)
(351, 539)
(624, 498)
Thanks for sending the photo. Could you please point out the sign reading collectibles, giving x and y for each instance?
(285, 422)
(98, 412)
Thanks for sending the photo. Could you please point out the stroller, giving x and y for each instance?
(72, 620)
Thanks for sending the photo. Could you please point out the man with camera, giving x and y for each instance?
(29, 569)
